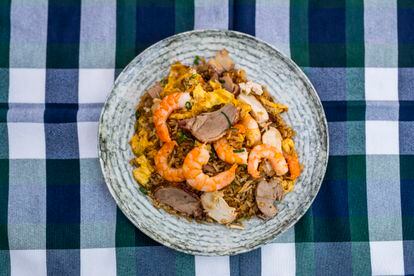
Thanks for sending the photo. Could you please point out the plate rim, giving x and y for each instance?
(229, 252)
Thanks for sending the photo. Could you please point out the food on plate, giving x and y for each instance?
(212, 145)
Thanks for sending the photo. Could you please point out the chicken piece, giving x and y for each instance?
(221, 62)
(248, 87)
(272, 137)
(207, 72)
(266, 194)
(211, 126)
(155, 90)
(179, 200)
(258, 110)
(229, 85)
(217, 208)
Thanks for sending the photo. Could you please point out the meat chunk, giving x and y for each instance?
(179, 200)
(155, 90)
(207, 72)
(211, 126)
(272, 137)
(221, 62)
(258, 110)
(217, 208)
(250, 86)
(229, 85)
(266, 194)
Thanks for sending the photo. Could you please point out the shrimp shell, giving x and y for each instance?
(270, 153)
(161, 113)
(162, 166)
(193, 172)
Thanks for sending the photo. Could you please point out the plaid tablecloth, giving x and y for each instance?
(58, 60)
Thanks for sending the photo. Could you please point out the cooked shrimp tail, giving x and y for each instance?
(292, 159)
(253, 135)
(167, 105)
(193, 172)
(293, 164)
(259, 152)
(228, 154)
(162, 167)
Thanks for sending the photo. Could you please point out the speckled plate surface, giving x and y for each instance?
(264, 65)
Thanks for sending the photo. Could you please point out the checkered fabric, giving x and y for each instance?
(58, 60)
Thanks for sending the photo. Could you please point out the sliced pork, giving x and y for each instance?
(221, 62)
(266, 194)
(211, 126)
(179, 200)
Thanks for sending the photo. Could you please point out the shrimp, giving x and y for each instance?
(252, 130)
(293, 163)
(162, 167)
(167, 105)
(291, 157)
(227, 153)
(193, 172)
(277, 161)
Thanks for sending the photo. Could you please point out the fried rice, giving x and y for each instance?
(240, 194)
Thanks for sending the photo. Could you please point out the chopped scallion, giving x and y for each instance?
(143, 190)
(225, 115)
(188, 105)
(196, 60)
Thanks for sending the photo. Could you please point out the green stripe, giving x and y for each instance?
(357, 196)
(326, 18)
(358, 214)
(184, 15)
(304, 245)
(125, 32)
(305, 258)
(407, 185)
(125, 261)
(356, 164)
(124, 240)
(355, 33)
(355, 81)
(361, 258)
(299, 43)
(4, 148)
(4, 33)
(4, 193)
(184, 264)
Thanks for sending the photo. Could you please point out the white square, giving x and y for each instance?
(278, 259)
(207, 266)
(95, 84)
(88, 139)
(382, 137)
(98, 261)
(28, 262)
(381, 84)
(27, 85)
(387, 258)
(26, 140)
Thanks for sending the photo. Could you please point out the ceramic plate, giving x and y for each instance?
(265, 65)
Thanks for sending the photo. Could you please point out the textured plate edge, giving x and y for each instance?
(289, 62)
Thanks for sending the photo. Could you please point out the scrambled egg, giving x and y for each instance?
(143, 172)
(180, 79)
(139, 142)
(203, 101)
(288, 185)
(273, 108)
(288, 145)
